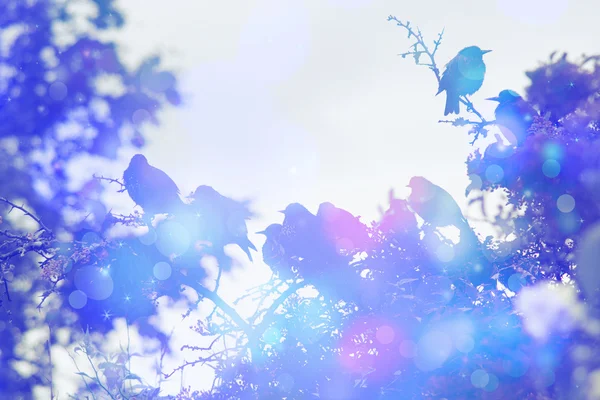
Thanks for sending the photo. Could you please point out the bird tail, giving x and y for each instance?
(245, 244)
(452, 104)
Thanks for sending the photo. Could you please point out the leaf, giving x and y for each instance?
(133, 376)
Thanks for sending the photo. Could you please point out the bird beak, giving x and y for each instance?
(493, 98)
(261, 233)
(282, 211)
(485, 51)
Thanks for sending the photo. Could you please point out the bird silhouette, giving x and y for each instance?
(342, 229)
(435, 205)
(302, 235)
(273, 252)
(463, 76)
(514, 116)
(151, 188)
(225, 218)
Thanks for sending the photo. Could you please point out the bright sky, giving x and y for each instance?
(308, 101)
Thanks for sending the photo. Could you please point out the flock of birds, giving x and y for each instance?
(325, 237)
(332, 231)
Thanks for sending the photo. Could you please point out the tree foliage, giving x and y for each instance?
(406, 311)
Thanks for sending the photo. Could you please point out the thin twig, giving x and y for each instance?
(111, 180)
(27, 213)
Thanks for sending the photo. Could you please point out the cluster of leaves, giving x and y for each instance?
(64, 94)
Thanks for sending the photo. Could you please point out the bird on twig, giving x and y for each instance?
(514, 116)
(151, 188)
(463, 76)
(225, 218)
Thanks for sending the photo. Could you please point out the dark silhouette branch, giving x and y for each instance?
(111, 180)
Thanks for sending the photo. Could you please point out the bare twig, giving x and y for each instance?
(420, 41)
(111, 180)
(27, 213)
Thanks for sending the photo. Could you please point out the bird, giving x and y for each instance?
(342, 228)
(463, 76)
(436, 206)
(225, 218)
(273, 252)
(302, 235)
(514, 115)
(151, 188)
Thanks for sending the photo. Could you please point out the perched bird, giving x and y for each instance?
(151, 188)
(514, 116)
(463, 76)
(302, 235)
(341, 228)
(225, 218)
(273, 252)
(435, 205)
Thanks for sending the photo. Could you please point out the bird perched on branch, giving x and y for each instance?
(514, 116)
(463, 76)
(151, 188)
(273, 252)
(225, 218)
(341, 228)
(436, 206)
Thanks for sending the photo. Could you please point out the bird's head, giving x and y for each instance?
(326, 207)
(270, 231)
(138, 160)
(294, 209)
(204, 192)
(473, 52)
(418, 182)
(505, 96)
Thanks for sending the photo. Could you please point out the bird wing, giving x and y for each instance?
(161, 180)
(449, 73)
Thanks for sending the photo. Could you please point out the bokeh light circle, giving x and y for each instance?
(565, 203)
(433, 350)
(385, 334)
(464, 343)
(492, 384)
(77, 299)
(162, 270)
(57, 91)
(494, 173)
(94, 281)
(480, 378)
(140, 116)
(173, 238)
(516, 365)
(551, 168)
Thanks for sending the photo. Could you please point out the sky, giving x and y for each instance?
(308, 101)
